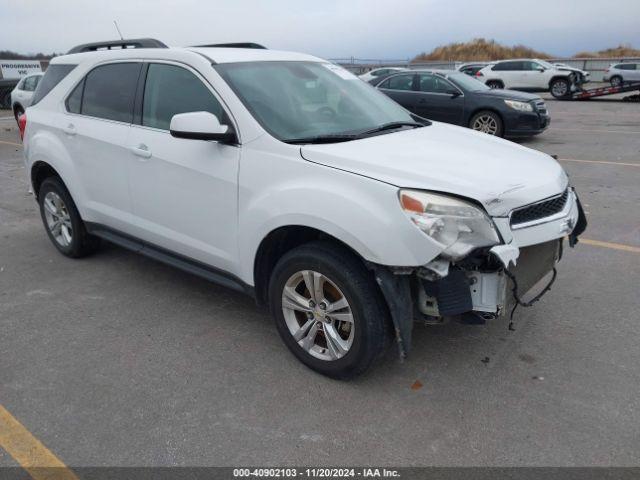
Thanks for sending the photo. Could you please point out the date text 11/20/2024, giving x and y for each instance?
(315, 472)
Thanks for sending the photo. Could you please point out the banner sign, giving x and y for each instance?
(19, 68)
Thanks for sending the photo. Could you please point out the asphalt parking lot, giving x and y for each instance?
(118, 360)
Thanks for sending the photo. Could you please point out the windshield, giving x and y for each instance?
(467, 82)
(544, 64)
(294, 100)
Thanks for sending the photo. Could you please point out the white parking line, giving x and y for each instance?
(581, 130)
(605, 162)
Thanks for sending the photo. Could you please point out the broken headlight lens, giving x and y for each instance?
(458, 226)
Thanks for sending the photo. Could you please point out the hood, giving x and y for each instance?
(571, 69)
(508, 94)
(499, 174)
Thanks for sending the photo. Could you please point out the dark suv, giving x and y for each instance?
(454, 97)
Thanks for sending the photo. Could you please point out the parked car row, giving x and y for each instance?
(284, 176)
(456, 98)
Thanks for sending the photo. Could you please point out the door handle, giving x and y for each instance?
(141, 151)
(70, 129)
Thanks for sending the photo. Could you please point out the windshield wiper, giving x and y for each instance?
(390, 126)
(330, 138)
(345, 137)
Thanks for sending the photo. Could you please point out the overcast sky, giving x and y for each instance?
(328, 28)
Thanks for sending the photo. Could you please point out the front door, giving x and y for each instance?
(438, 99)
(184, 192)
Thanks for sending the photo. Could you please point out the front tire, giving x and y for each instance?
(487, 122)
(559, 88)
(62, 221)
(329, 310)
(616, 81)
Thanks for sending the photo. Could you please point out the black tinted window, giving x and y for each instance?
(507, 66)
(400, 82)
(434, 84)
(170, 90)
(626, 66)
(74, 101)
(52, 77)
(110, 90)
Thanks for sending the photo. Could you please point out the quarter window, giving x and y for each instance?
(110, 90)
(170, 90)
(74, 101)
(52, 77)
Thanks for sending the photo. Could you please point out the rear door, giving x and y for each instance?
(633, 75)
(95, 130)
(184, 191)
(401, 89)
(532, 75)
(508, 72)
(438, 99)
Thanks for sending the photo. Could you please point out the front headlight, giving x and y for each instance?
(458, 226)
(520, 106)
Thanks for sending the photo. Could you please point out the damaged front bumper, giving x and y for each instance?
(485, 284)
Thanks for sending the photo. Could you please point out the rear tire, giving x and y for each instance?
(495, 84)
(616, 81)
(17, 111)
(362, 322)
(62, 221)
(488, 122)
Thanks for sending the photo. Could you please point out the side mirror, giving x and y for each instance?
(200, 126)
(454, 93)
(540, 69)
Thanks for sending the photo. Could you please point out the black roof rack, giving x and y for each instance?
(118, 44)
(234, 45)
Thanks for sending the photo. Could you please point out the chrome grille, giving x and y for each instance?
(541, 107)
(540, 210)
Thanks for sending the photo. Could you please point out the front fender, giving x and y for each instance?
(363, 213)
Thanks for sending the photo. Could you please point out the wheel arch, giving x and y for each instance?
(40, 171)
(558, 77)
(491, 109)
(15, 107)
(280, 241)
(496, 80)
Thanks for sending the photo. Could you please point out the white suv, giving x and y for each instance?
(620, 73)
(282, 175)
(531, 75)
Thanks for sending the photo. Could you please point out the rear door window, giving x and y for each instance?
(400, 82)
(110, 90)
(170, 90)
(52, 77)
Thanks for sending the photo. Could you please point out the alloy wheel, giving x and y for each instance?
(58, 219)
(485, 124)
(318, 315)
(559, 89)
